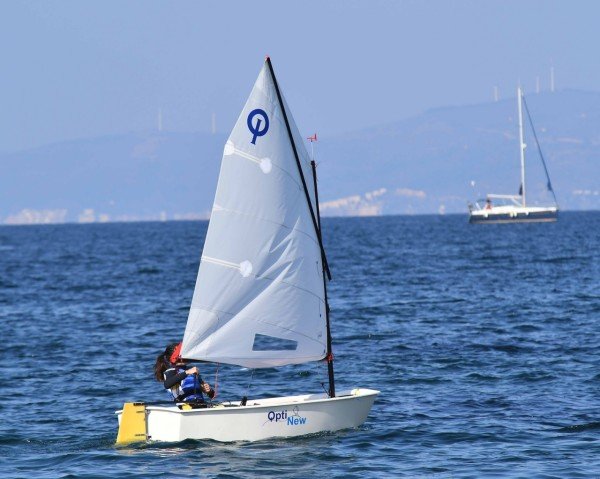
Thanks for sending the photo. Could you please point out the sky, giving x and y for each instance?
(74, 69)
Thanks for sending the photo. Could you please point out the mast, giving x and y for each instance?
(521, 146)
(316, 223)
(329, 349)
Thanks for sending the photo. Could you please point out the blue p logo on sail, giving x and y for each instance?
(254, 127)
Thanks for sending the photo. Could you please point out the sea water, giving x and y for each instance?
(483, 339)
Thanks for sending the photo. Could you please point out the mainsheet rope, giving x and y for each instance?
(250, 383)
(216, 381)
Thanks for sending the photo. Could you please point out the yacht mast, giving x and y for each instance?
(522, 146)
(316, 217)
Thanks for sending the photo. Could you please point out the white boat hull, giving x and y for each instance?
(514, 214)
(261, 418)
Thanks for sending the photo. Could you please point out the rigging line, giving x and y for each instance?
(250, 383)
(539, 150)
(322, 378)
(291, 137)
(216, 381)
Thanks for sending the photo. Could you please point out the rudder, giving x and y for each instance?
(133, 427)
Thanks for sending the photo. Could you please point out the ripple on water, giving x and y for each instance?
(486, 356)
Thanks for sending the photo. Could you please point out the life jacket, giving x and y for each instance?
(189, 389)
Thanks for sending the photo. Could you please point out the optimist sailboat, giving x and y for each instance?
(514, 208)
(261, 298)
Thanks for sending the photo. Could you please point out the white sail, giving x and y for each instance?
(259, 296)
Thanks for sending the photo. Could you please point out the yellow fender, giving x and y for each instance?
(133, 427)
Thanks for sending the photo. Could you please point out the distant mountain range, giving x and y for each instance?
(137, 176)
(433, 163)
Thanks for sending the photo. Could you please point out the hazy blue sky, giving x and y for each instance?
(76, 69)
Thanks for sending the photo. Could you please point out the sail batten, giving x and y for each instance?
(259, 299)
(308, 234)
(272, 279)
(264, 163)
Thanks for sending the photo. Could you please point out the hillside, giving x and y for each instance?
(427, 163)
(117, 178)
(424, 164)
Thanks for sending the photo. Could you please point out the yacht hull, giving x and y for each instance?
(521, 215)
(260, 419)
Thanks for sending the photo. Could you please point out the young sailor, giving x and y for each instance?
(184, 384)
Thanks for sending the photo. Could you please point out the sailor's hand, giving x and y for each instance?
(205, 387)
(193, 370)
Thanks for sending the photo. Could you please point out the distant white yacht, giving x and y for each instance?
(513, 208)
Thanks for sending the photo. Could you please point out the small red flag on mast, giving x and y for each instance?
(312, 138)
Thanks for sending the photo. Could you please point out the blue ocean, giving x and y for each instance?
(484, 341)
